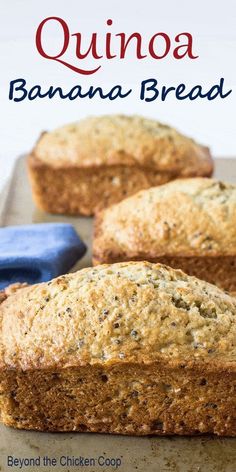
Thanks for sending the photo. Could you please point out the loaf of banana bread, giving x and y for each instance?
(86, 166)
(188, 224)
(132, 348)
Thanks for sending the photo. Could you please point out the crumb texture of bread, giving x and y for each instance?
(188, 224)
(130, 348)
(89, 165)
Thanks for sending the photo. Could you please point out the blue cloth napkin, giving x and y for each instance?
(37, 253)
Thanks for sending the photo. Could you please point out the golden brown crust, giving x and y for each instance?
(123, 140)
(131, 348)
(86, 166)
(93, 316)
(190, 222)
(3, 296)
(220, 271)
(11, 289)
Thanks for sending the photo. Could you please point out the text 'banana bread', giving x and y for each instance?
(86, 166)
(188, 224)
(132, 348)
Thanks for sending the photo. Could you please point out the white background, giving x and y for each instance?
(211, 22)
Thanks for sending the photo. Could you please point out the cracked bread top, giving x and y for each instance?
(190, 217)
(135, 311)
(123, 140)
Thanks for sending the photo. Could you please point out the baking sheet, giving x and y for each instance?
(128, 454)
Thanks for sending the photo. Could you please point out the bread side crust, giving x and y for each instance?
(128, 398)
(74, 190)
